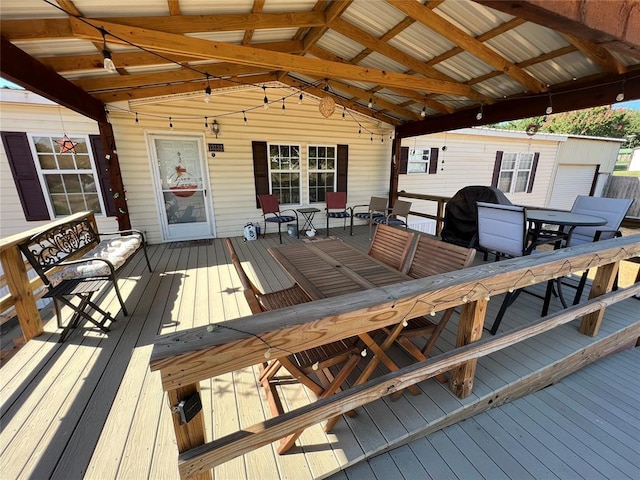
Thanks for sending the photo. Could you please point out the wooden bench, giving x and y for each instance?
(73, 261)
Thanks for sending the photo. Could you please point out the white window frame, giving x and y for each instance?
(317, 170)
(417, 157)
(43, 173)
(299, 171)
(519, 159)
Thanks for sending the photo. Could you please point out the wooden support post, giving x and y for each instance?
(602, 283)
(191, 434)
(20, 289)
(469, 330)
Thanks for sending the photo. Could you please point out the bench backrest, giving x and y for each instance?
(53, 246)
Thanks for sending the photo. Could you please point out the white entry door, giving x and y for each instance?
(182, 187)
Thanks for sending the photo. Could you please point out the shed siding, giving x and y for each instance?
(469, 160)
(231, 171)
(46, 119)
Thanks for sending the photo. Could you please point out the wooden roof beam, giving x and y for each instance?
(613, 24)
(598, 54)
(179, 44)
(335, 9)
(24, 70)
(258, 5)
(600, 91)
(456, 35)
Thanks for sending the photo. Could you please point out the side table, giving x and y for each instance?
(308, 214)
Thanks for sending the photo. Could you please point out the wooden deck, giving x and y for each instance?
(585, 426)
(90, 407)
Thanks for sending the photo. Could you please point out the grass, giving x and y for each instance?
(627, 174)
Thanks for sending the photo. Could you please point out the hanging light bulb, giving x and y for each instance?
(423, 113)
(370, 104)
(244, 117)
(284, 108)
(549, 109)
(170, 123)
(359, 130)
(344, 113)
(266, 100)
(371, 138)
(106, 55)
(137, 118)
(207, 92)
(206, 123)
(381, 138)
(620, 96)
(300, 98)
(480, 114)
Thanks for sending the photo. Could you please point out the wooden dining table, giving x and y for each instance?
(328, 268)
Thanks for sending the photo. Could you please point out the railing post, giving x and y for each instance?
(192, 433)
(20, 289)
(469, 330)
(440, 215)
(602, 283)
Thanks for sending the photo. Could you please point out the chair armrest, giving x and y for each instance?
(616, 233)
(359, 206)
(289, 210)
(120, 232)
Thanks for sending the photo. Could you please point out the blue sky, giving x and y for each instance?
(633, 104)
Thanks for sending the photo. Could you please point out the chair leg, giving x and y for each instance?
(280, 232)
(508, 300)
(581, 285)
(327, 225)
(144, 249)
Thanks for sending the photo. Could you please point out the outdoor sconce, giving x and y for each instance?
(215, 128)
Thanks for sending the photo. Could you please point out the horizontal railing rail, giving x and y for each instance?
(184, 358)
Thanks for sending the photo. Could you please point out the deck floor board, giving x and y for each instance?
(90, 407)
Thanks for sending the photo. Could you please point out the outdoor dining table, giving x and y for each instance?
(540, 217)
(328, 268)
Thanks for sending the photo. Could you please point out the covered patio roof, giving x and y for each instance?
(420, 66)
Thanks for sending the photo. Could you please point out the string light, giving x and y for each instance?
(620, 96)
(244, 117)
(284, 108)
(137, 121)
(266, 100)
(549, 109)
(423, 113)
(344, 113)
(370, 105)
(107, 61)
(359, 130)
(215, 128)
(300, 98)
(206, 123)
(371, 138)
(480, 114)
(207, 91)
(170, 123)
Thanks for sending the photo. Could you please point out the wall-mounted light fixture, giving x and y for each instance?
(215, 128)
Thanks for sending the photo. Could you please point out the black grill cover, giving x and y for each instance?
(461, 212)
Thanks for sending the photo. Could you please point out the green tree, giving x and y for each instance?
(597, 122)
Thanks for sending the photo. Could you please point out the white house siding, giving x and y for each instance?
(231, 172)
(469, 160)
(23, 111)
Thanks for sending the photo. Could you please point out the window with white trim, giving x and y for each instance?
(419, 161)
(285, 172)
(69, 180)
(515, 172)
(321, 172)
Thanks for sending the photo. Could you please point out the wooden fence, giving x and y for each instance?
(187, 357)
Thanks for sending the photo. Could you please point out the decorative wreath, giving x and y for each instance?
(532, 129)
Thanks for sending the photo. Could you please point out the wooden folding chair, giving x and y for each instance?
(301, 365)
(431, 257)
(391, 245)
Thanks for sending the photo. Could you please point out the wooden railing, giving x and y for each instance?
(187, 357)
(21, 288)
(440, 204)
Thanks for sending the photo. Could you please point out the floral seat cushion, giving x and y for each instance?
(115, 250)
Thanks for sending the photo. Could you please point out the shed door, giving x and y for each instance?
(571, 181)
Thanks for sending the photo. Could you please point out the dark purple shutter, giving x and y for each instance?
(260, 169)
(404, 160)
(342, 167)
(433, 161)
(102, 166)
(25, 175)
(496, 169)
(534, 167)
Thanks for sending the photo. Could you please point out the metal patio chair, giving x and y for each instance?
(271, 206)
(337, 208)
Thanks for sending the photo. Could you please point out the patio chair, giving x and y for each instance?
(271, 206)
(377, 207)
(344, 354)
(503, 230)
(611, 209)
(400, 209)
(337, 208)
(431, 257)
(391, 245)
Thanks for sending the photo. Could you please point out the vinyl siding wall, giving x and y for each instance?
(231, 172)
(22, 115)
(469, 159)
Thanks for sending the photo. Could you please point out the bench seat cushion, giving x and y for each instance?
(115, 250)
